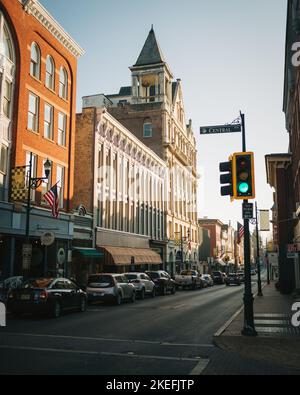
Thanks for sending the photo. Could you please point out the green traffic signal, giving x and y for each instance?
(243, 187)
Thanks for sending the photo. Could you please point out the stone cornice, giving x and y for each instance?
(34, 8)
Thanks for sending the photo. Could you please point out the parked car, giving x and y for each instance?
(142, 283)
(189, 279)
(207, 278)
(110, 287)
(8, 285)
(233, 279)
(163, 282)
(241, 275)
(218, 277)
(46, 295)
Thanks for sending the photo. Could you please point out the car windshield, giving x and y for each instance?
(100, 281)
(38, 283)
(131, 276)
(153, 274)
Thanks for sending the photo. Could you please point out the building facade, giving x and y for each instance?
(123, 186)
(152, 109)
(38, 67)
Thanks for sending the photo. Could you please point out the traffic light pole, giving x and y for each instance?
(249, 328)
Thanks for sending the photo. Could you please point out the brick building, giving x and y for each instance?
(38, 67)
(152, 109)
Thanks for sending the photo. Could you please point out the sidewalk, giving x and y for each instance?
(278, 342)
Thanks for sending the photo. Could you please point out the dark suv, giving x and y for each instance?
(218, 277)
(163, 281)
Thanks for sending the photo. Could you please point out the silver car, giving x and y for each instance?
(207, 278)
(142, 283)
(109, 287)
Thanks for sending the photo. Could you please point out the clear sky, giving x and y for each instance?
(228, 54)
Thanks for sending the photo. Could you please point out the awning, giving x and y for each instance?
(132, 256)
(88, 252)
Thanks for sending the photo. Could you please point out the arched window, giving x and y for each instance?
(35, 61)
(63, 83)
(8, 49)
(50, 72)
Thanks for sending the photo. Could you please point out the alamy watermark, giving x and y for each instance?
(296, 315)
(2, 314)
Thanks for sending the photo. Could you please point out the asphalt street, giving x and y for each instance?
(168, 335)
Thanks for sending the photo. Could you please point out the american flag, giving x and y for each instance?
(240, 232)
(52, 198)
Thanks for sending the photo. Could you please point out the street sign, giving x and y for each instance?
(247, 210)
(220, 129)
(27, 254)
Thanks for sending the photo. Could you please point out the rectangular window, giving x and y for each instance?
(33, 113)
(60, 179)
(62, 124)
(7, 98)
(3, 159)
(48, 121)
(147, 130)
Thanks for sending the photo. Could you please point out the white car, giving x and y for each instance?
(142, 283)
(207, 278)
(109, 287)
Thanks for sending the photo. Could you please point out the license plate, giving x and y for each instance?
(25, 297)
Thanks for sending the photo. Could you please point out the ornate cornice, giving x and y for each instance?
(34, 8)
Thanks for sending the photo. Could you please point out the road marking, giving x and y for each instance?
(110, 354)
(102, 339)
(200, 367)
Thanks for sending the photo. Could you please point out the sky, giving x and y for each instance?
(229, 56)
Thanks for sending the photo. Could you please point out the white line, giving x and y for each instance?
(112, 354)
(48, 350)
(100, 339)
(200, 367)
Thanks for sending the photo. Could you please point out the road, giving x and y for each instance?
(168, 335)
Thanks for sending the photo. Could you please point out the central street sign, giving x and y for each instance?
(221, 129)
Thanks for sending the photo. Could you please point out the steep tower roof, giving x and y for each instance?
(151, 52)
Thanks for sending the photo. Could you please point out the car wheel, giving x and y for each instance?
(153, 294)
(118, 299)
(132, 300)
(142, 295)
(56, 310)
(82, 306)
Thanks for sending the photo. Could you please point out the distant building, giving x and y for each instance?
(152, 109)
(38, 67)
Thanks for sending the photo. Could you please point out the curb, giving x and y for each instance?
(238, 312)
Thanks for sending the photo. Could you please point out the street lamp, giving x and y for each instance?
(33, 184)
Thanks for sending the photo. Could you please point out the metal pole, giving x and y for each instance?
(258, 255)
(249, 328)
(28, 201)
(181, 241)
(27, 255)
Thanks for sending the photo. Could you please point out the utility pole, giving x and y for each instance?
(249, 328)
(258, 255)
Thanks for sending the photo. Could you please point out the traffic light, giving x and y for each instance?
(243, 180)
(226, 167)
